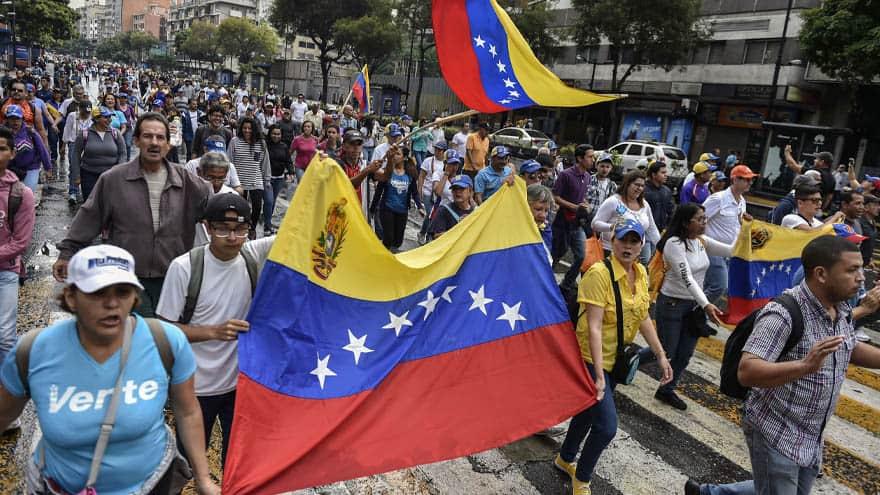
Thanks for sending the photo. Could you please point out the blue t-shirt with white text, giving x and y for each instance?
(71, 392)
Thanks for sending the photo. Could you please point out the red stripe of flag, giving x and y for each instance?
(455, 53)
(427, 410)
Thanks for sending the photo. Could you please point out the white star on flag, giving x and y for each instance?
(447, 293)
(763, 272)
(356, 346)
(429, 304)
(788, 269)
(398, 322)
(772, 267)
(480, 300)
(501, 67)
(511, 314)
(323, 371)
(508, 83)
(757, 280)
(754, 292)
(514, 94)
(492, 50)
(504, 101)
(480, 41)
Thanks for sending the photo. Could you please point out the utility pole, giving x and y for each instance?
(778, 66)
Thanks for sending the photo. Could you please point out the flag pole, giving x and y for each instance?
(444, 120)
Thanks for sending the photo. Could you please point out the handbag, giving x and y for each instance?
(696, 323)
(593, 253)
(626, 361)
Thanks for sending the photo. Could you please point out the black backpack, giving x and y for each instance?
(733, 349)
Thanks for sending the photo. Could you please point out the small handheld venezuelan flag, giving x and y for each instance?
(359, 362)
(361, 91)
(490, 66)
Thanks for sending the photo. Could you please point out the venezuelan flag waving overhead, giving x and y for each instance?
(361, 91)
(764, 262)
(490, 66)
(360, 362)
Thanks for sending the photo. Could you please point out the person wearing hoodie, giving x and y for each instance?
(30, 150)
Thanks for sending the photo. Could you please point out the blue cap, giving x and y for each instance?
(14, 111)
(529, 167)
(105, 112)
(461, 181)
(605, 157)
(122, 95)
(29, 87)
(453, 156)
(440, 145)
(394, 130)
(552, 145)
(500, 152)
(627, 226)
(719, 175)
(218, 145)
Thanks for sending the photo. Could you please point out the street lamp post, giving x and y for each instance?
(11, 16)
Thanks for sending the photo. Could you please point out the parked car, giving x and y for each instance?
(521, 142)
(635, 154)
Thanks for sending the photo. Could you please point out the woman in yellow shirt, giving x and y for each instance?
(597, 336)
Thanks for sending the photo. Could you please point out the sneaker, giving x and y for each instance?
(423, 239)
(566, 467)
(579, 487)
(671, 399)
(691, 487)
(861, 336)
(15, 425)
(71, 200)
(553, 431)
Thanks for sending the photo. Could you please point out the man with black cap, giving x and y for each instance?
(349, 158)
(221, 296)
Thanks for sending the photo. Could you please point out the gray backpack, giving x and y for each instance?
(197, 272)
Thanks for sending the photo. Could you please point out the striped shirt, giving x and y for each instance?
(251, 163)
(791, 417)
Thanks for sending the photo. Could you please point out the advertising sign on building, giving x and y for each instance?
(641, 126)
(679, 134)
(745, 117)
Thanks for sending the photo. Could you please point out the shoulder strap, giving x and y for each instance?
(253, 267)
(23, 357)
(618, 303)
(162, 344)
(196, 272)
(455, 215)
(797, 322)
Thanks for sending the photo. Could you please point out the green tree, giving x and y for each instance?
(44, 22)
(642, 33)
(250, 44)
(372, 38)
(138, 44)
(533, 20)
(317, 21)
(113, 49)
(417, 18)
(162, 61)
(842, 37)
(200, 43)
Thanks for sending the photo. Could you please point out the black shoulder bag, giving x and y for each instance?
(626, 361)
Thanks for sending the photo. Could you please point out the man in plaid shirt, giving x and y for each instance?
(601, 186)
(795, 394)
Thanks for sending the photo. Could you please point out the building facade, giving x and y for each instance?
(144, 10)
(151, 20)
(98, 20)
(184, 12)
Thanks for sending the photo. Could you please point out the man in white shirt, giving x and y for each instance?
(725, 211)
(316, 117)
(240, 94)
(298, 112)
(459, 140)
(809, 205)
(427, 170)
(392, 138)
(230, 266)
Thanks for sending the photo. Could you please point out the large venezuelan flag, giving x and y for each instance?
(361, 91)
(764, 262)
(490, 66)
(360, 362)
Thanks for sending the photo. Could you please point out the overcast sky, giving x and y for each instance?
(76, 3)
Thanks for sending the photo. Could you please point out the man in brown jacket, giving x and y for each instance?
(148, 206)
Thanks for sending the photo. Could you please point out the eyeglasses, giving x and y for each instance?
(215, 179)
(224, 231)
(17, 90)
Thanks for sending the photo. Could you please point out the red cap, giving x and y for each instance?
(743, 171)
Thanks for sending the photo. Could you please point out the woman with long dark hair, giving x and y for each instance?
(396, 191)
(628, 203)
(331, 141)
(304, 148)
(282, 168)
(249, 154)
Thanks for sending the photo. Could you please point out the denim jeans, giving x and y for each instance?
(269, 198)
(128, 137)
(428, 201)
(420, 157)
(600, 421)
(678, 342)
(71, 187)
(8, 311)
(215, 407)
(570, 237)
(715, 285)
(87, 181)
(774, 473)
(32, 179)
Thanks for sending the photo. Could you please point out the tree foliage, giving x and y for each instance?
(533, 20)
(44, 22)
(249, 43)
(317, 21)
(371, 38)
(642, 33)
(199, 43)
(842, 37)
(417, 19)
(129, 47)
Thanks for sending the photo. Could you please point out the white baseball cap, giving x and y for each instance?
(95, 267)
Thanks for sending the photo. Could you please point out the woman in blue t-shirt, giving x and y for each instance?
(397, 189)
(72, 372)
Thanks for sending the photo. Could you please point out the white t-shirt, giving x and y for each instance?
(686, 268)
(607, 215)
(430, 165)
(298, 111)
(793, 220)
(231, 176)
(440, 174)
(459, 143)
(225, 294)
(723, 215)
